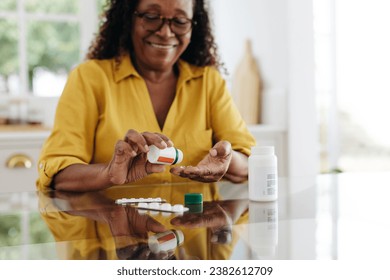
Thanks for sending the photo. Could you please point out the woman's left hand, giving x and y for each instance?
(211, 168)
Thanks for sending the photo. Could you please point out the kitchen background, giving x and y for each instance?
(323, 65)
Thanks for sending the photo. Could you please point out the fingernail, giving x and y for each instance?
(133, 153)
(146, 148)
(163, 144)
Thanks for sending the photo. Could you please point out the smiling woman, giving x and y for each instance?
(158, 46)
(151, 78)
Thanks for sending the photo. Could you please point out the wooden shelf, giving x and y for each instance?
(22, 128)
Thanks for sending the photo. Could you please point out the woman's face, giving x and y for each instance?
(159, 50)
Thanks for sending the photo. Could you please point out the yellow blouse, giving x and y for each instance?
(102, 100)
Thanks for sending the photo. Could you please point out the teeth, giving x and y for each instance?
(162, 46)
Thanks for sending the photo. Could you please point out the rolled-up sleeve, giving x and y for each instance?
(72, 137)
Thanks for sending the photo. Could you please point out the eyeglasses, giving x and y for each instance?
(153, 22)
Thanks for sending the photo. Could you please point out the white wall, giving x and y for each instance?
(303, 141)
(282, 35)
(262, 21)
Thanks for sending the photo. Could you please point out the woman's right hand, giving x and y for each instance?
(129, 162)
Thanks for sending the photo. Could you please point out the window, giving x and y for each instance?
(352, 84)
(41, 40)
(325, 77)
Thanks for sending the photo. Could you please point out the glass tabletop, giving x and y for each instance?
(328, 217)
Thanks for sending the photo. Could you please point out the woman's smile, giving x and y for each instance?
(162, 46)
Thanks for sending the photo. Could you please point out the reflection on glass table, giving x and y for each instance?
(92, 226)
(327, 217)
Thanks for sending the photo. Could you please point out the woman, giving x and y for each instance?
(152, 71)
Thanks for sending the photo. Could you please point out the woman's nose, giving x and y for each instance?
(165, 30)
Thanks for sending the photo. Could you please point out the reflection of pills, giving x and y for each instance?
(143, 205)
(178, 208)
(154, 205)
(166, 207)
(166, 214)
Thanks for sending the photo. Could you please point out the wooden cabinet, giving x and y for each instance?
(19, 153)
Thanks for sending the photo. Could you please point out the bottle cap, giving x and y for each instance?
(193, 198)
(263, 150)
(179, 156)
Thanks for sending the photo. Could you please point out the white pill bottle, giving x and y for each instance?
(167, 156)
(263, 174)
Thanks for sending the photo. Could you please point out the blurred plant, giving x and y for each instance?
(51, 45)
(10, 230)
(8, 5)
(8, 51)
(46, 6)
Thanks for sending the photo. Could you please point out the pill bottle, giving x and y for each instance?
(263, 174)
(165, 241)
(194, 202)
(167, 156)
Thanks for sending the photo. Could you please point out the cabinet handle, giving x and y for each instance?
(19, 161)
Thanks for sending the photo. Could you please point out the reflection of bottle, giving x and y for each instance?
(263, 174)
(263, 228)
(167, 156)
(165, 241)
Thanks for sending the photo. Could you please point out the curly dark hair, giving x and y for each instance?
(113, 38)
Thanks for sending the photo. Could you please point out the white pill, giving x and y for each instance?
(154, 205)
(143, 205)
(166, 207)
(178, 208)
(153, 213)
(166, 214)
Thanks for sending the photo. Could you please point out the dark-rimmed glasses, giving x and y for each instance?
(153, 22)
